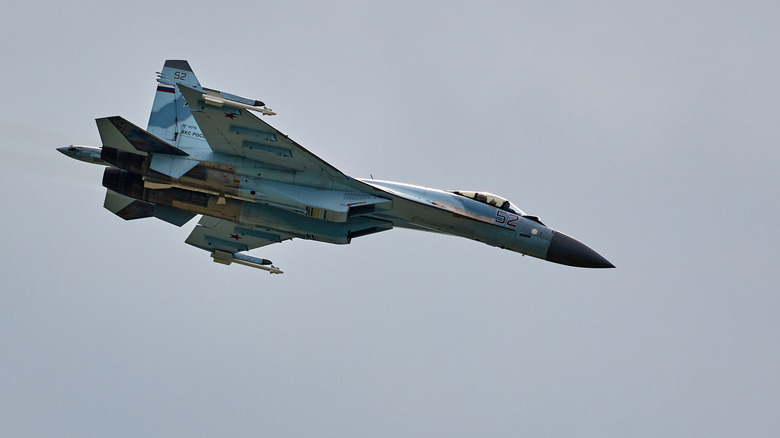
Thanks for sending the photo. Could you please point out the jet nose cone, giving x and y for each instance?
(65, 150)
(570, 251)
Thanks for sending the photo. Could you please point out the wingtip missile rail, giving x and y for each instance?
(218, 99)
(226, 258)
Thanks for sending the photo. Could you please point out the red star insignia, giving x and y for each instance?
(234, 236)
(230, 116)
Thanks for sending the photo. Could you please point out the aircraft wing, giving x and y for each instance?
(236, 131)
(225, 240)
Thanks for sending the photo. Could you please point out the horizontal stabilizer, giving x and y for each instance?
(173, 166)
(173, 215)
(136, 137)
(113, 139)
(126, 207)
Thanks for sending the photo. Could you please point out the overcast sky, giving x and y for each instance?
(648, 130)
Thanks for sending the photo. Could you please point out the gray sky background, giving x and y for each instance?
(648, 130)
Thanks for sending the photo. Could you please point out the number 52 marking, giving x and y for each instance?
(506, 218)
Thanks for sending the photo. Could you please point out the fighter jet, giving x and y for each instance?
(205, 152)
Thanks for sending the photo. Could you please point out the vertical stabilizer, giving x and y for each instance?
(171, 119)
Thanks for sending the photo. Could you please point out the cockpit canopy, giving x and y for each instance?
(491, 199)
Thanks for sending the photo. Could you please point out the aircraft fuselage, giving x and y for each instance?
(205, 153)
